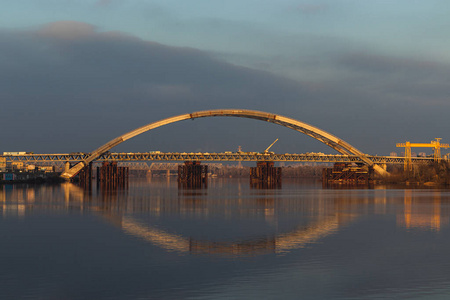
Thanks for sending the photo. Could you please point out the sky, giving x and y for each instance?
(76, 74)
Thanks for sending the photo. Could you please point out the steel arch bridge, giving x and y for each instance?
(327, 138)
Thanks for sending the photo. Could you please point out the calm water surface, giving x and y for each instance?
(155, 241)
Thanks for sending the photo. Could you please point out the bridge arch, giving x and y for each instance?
(327, 138)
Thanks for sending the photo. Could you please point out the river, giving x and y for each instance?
(154, 240)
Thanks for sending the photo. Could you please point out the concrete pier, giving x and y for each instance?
(265, 175)
(111, 176)
(192, 175)
(347, 174)
(85, 177)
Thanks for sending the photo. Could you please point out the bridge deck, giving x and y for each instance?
(226, 156)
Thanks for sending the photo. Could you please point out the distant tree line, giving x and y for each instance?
(437, 173)
(293, 171)
(309, 171)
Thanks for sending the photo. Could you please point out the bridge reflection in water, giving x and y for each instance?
(316, 213)
(278, 244)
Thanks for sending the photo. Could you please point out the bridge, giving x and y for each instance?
(348, 153)
(224, 156)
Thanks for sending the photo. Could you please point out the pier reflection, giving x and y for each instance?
(420, 213)
(265, 185)
(230, 218)
(347, 186)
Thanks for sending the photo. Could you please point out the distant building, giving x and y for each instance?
(2, 164)
(422, 154)
(393, 154)
(47, 168)
(17, 165)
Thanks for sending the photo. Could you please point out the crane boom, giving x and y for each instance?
(267, 150)
(423, 145)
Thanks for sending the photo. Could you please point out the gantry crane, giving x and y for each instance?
(433, 144)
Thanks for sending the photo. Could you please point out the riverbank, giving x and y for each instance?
(432, 175)
(29, 177)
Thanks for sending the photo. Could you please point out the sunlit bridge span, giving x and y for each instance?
(327, 138)
(224, 156)
(348, 153)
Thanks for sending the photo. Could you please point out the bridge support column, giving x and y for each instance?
(343, 173)
(85, 176)
(110, 176)
(265, 175)
(192, 175)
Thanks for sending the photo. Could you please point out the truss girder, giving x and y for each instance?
(176, 156)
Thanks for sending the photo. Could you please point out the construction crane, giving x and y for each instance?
(267, 150)
(433, 144)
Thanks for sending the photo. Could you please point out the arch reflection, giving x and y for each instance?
(277, 244)
(288, 219)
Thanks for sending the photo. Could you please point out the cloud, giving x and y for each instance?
(371, 62)
(66, 30)
(68, 78)
(310, 8)
(417, 80)
(66, 87)
(104, 3)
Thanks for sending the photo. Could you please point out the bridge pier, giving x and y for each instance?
(265, 175)
(110, 176)
(85, 177)
(343, 173)
(192, 175)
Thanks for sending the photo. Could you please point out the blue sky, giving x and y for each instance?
(372, 72)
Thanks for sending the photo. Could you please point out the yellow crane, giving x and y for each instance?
(267, 150)
(433, 144)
